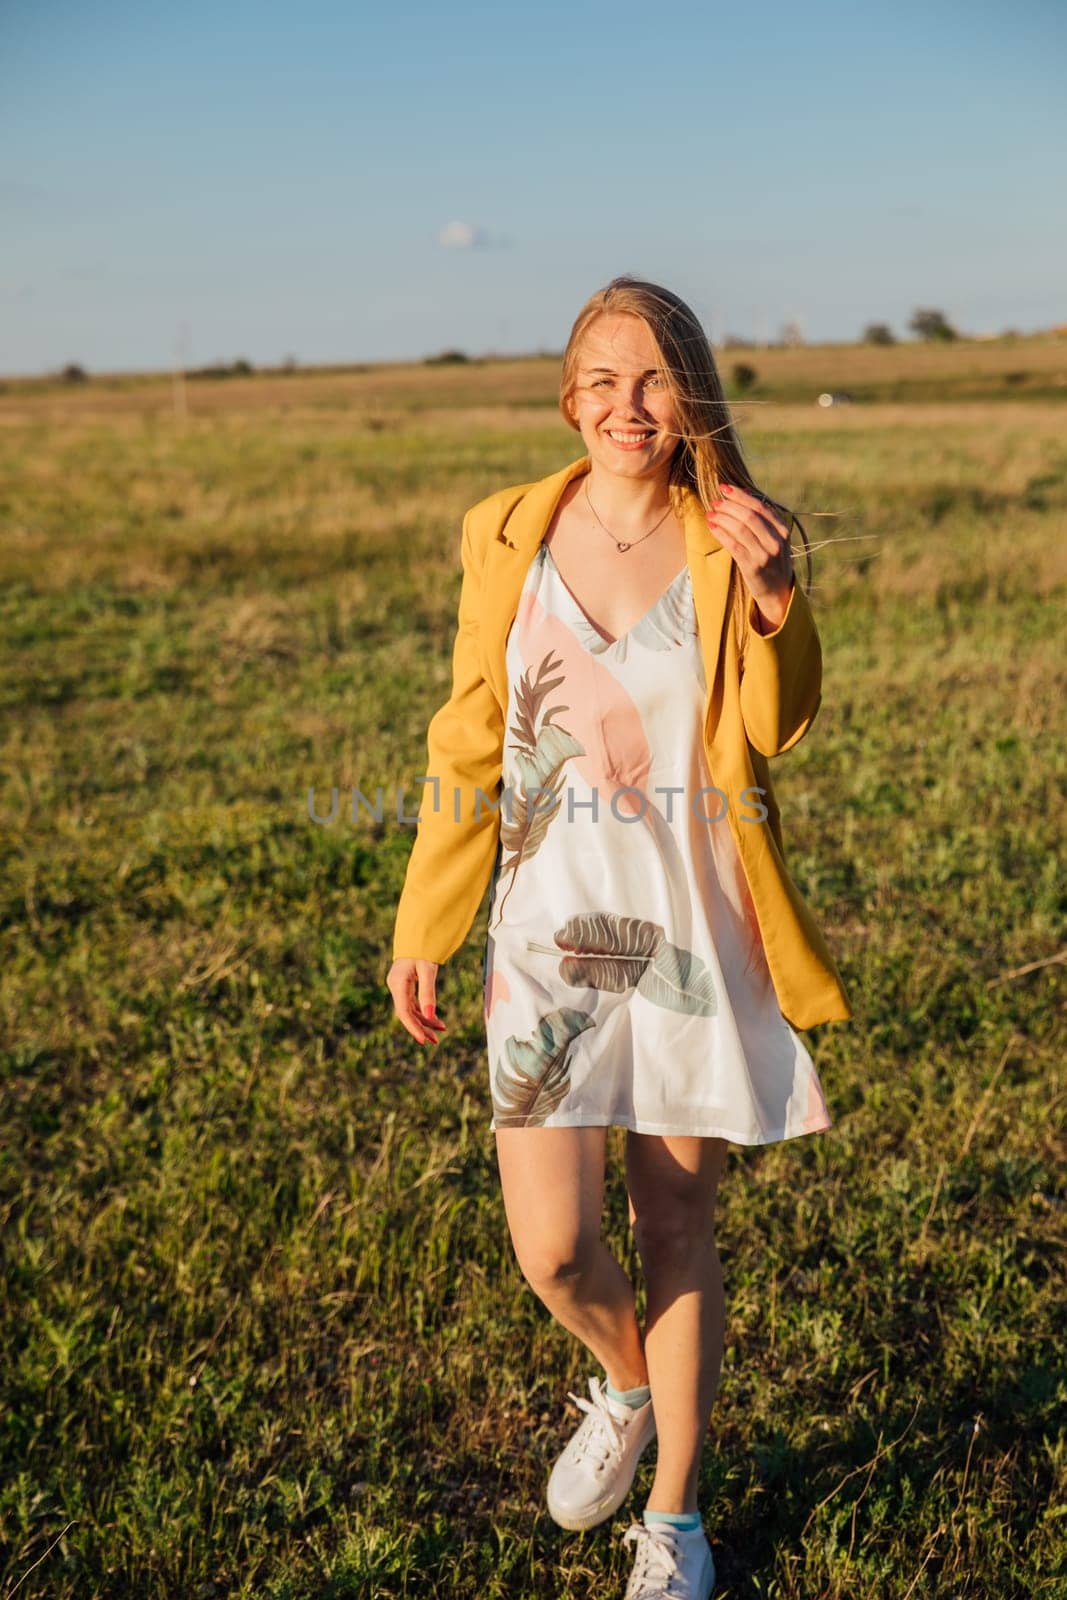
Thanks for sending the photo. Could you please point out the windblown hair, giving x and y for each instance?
(709, 450)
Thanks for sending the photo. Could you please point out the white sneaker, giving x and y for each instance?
(593, 1475)
(669, 1563)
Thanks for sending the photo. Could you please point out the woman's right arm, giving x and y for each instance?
(452, 858)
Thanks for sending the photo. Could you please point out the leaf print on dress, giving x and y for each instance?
(614, 953)
(597, 698)
(539, 763)
(536, 1077)
(616, 754)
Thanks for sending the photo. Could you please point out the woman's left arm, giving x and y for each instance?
(781, 685)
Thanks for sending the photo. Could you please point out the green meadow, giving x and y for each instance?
(263, 1331)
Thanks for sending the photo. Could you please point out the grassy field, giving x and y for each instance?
(263, 1331)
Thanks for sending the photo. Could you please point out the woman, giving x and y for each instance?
(632, 649)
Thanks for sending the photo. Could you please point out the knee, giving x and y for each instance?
(553, 1267)
(677, 1232)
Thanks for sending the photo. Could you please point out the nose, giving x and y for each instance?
(629, 404)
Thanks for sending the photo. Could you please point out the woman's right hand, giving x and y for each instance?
(413, 986)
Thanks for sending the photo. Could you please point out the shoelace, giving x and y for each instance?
(656, 1557)
(601, 1434)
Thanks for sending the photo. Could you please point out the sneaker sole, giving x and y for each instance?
(601, 1510)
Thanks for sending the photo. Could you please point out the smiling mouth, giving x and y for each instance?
(629, 436)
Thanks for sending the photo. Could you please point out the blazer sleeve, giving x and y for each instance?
(452, 858)
(781, 684)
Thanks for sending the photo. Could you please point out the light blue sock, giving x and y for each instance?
(686, 1520)
(629, 1397)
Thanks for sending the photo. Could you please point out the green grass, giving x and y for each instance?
(263, 1330)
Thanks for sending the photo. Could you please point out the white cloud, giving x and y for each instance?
(457, 236)
(467, 236)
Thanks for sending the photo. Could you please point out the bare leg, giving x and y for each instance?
(553, 1186)
(673, 1182)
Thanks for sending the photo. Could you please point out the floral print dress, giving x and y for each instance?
(625, 980)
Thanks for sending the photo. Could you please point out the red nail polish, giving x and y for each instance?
(726, 489)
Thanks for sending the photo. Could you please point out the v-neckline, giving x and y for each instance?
(595, 625)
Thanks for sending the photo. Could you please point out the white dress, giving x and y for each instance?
(625, 981)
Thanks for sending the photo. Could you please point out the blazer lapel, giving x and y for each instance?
(508, 558)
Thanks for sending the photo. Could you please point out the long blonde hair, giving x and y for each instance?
(709, 450)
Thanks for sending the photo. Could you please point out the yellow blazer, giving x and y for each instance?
(754, 710)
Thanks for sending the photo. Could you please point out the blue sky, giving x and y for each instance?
(265, 180)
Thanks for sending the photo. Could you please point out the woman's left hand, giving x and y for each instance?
(759, 544)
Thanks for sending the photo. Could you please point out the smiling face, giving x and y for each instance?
(621, 402)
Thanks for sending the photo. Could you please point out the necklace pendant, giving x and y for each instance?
(619, 546)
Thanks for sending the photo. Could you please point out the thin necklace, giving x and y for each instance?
(626, 544)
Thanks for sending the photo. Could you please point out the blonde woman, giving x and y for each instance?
(632, 649)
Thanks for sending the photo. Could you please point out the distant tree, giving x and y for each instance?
(289, 364)
(744, 376)
(792, 333)
(878, 333)
(932, 325)
(447, 358)
(73, 373)
(735, 341)
(221, 369)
